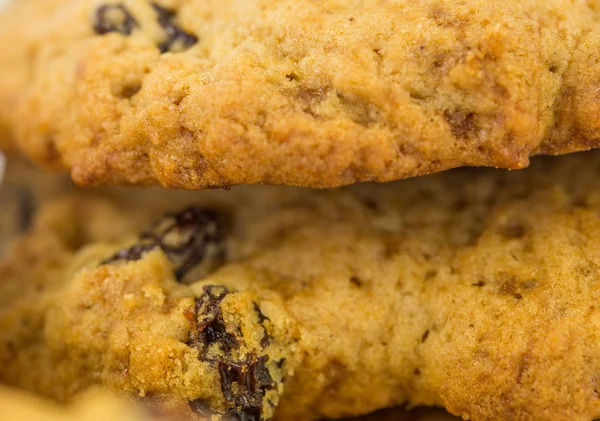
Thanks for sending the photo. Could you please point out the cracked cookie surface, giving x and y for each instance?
(194, 94)
(475, 289)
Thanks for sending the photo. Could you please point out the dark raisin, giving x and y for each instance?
(356, 281)
(177, 39)
(215, 332)
(192, 240)
(132, 253)
(251, 379)
(264, 342)
(26, 209)
(251, 413)
(129, 91)
(114, 18)
(200, 407)
(209, 324)
(245, 381)
(192, 237)
(370, 203)
(262, 378)
(261, 316)
(229, 374)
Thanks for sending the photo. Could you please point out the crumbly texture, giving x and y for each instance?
(475, 290)
(192, 94)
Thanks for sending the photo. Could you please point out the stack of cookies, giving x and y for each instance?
(228, 255)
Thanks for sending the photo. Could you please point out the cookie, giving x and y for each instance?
(475, 290)
(22, 180)
(192, 94)
(95, 407)
(16, 56)
(22, 188)
(99, 406)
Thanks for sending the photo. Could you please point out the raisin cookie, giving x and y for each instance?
(476, 290)
(192, 94)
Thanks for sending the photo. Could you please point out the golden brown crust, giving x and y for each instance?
(300, 92)
(475, 289)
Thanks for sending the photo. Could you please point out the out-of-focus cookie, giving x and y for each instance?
(22, 189)
(193, 94)
(17, 406)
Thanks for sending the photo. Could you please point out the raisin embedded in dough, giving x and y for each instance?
(114, 18)
(193, 239)
(177, 39)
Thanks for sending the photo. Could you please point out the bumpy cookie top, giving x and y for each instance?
(192, 94)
